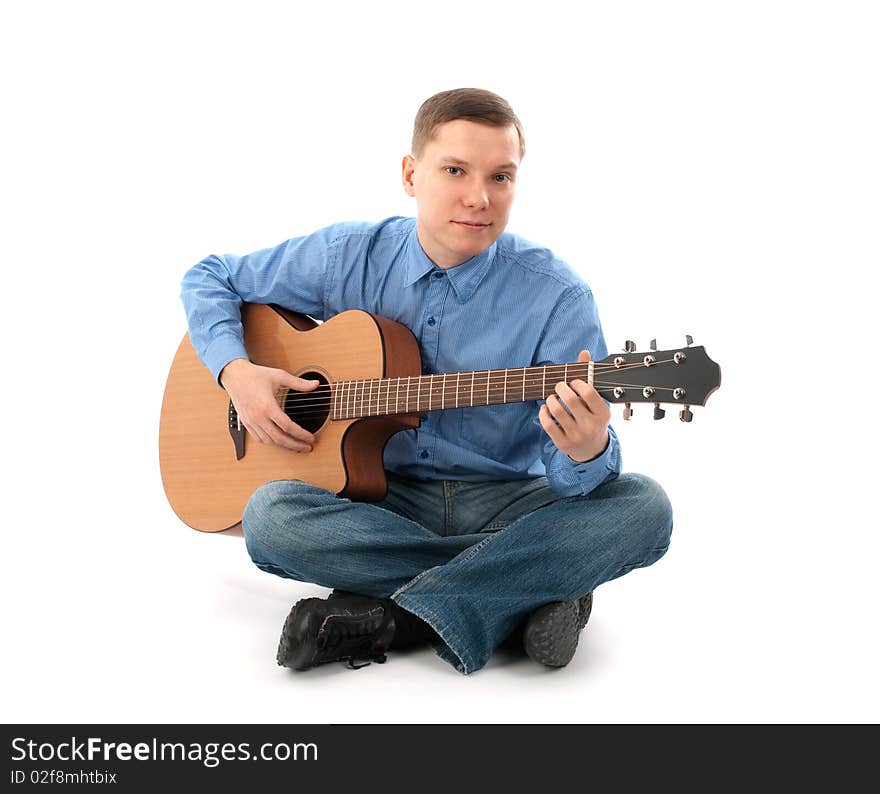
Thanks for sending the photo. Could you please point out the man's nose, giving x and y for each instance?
(476, 195)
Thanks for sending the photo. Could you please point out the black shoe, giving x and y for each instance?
(355, 629)
(409, 630)
(551, 633)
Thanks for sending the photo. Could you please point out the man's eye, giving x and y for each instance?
(504, 177)
(451, 168)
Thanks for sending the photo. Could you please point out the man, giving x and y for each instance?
(499, 521)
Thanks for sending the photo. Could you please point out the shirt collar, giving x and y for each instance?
(465, 278)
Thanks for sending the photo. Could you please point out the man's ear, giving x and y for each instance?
(408, 170)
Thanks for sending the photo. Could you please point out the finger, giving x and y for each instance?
(559, 413)
(258, 434)
(281, 439)
(293, 382)
(267, 432)
(594, 401)
(584, 357)
(290, 428)
(572, 401)
(550, 427)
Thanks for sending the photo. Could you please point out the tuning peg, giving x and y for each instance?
(659, 413)
(685, 414)
(629, 346)
(627, 411)
(690, 339)
(653, 344)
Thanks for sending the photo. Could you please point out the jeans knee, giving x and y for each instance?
(267, 515)
(655, 513)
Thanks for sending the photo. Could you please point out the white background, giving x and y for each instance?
(710, 168)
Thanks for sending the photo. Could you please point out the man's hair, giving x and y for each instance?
(472, 104)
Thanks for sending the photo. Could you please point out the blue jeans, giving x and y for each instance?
(472, 559)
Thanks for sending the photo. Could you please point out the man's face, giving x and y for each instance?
(463, 185)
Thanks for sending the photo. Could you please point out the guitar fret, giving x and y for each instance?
(351, 399)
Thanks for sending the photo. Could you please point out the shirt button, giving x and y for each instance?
(438, 275)
(432, 321)
(423, 454)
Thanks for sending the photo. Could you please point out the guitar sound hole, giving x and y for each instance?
(309, 409)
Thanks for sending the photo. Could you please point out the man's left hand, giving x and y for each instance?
(583, 433)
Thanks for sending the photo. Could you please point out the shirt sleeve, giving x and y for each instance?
(574, 326)
(293, 275)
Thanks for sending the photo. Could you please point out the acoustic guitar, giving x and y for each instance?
(371, 386)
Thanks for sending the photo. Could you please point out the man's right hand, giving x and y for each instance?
(254, 392)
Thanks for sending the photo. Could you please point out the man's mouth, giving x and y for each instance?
(472, 224)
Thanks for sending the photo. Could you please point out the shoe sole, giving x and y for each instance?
(291, 654)
(551, 636)
(585, 607)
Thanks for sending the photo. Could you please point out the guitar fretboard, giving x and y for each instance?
(354, 399)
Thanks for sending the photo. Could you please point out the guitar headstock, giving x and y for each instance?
(682, 376)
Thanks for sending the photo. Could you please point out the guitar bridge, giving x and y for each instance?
(236, 431)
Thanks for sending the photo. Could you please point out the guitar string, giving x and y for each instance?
(302, 414)
(448, 401)
(326, 395)
(603, 386)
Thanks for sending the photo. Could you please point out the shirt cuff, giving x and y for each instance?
(221, 351)
(569, 478)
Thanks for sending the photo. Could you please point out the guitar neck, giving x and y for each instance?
(415, 395)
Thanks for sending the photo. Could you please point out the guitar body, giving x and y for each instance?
(208, 482)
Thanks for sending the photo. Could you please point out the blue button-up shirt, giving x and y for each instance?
(514, 305)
